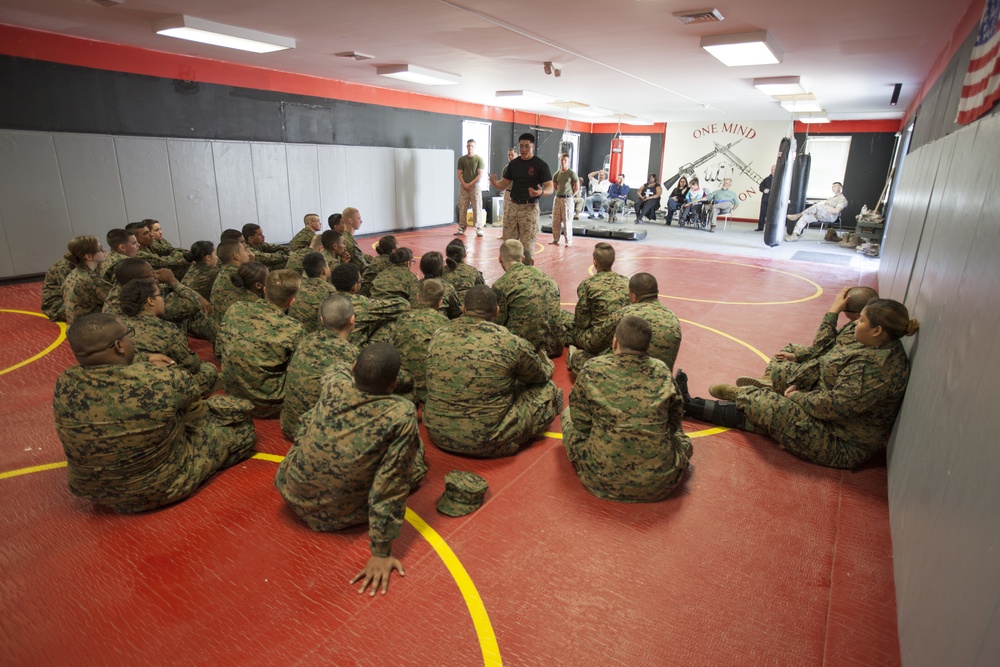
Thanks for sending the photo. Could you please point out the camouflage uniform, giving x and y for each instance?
(331, 261)
(599, 300)
(827, 338)
(52, 300)
(375, 267)
(175, 261)
(200, 277)
(83, 292)
(666, 342)
(256, 342)
(295, 258)
(316, 353)
(488, 392)
(622, 430)
(106, 269)
(358, 258)
(373, 318)
(462, 277)
(451, 306)
(225, 293)
(151, 334)
(529, 307)
(270, 255)
(845, 408)
(136, 437)
(394, 281)
(305, 308)
(163, 247)
(411, 335)
(354, 461)
(181, 306)
(302, 239)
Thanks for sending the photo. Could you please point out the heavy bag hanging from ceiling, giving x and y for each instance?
(617, 150)
(800, 181)
(777, 205)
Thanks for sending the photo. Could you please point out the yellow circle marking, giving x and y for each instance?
(58, 341)
(480, 619)
(732, 338)
(695, 434)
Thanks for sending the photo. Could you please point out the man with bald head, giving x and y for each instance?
(529, 302)
(136, 435)
(348, 225)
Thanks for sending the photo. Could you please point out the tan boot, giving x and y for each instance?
(725, 392)
(747, 381)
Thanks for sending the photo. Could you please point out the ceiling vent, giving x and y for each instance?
(699, 16)
(353, 54)
(108, 3)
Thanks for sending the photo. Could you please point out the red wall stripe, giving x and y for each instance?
(849, 126)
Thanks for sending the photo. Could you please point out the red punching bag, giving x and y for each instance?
(615, 168)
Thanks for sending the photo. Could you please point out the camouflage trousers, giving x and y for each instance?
(201, 326)
(791, 426)
(465, 200)
(207, 378)
(562, 219)
(520, 221)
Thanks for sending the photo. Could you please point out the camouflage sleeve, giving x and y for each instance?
(580, 411)
(387, 499)
(531, 367)
(859, 387)
(452, 304)
(181, 302)
(826, 337)
(581, 314)
(501, 317)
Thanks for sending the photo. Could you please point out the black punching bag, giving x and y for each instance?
(800, 179)
(777, 205)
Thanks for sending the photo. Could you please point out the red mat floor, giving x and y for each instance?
(757, 559)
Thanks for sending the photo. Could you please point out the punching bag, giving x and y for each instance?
(777, 205)
(615, 168)
(800, 179)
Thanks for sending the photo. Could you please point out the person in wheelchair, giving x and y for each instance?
(693, 205)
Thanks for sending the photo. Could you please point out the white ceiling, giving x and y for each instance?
(629, 56)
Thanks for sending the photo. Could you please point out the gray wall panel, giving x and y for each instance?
(144, 170)
(333, 179)
(32, 201)
(270, 180)
(88, 165)
(7, 261)
(362, 179)
(192, 171)
(303, 182)
(234, 176)
(380, 215)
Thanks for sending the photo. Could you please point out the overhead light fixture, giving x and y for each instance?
(568, 104)
(802, 106)
(698, 16)
(779, 85)
(629, 119)
(810, 118)
(895, 94)
(220, 34)
(421, 75)
(526, 95)
(353, 55)
(595, 112)
(743, 48)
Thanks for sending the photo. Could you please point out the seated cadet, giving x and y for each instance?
(52, 301)
(314, 355)
(142, 308)
(411, 333)
(121, 245)
(175, 261)
(295, 257)
(333, 249)
(348, 224)
(356, 457)
(837, 409)
(232, 255)
(599, 299)
(827, 210)
(397, 279)
(432, 266)
(136, 435)
(457, 273)
(373, 318)
(622, 429)
(204, 268)
(644, 302)
(488, 391)
(269, 254)
(84, 291)
(529, 302)
(160, 245)
(314, 288)
(384, 248)
(256, 343)
(304, 237)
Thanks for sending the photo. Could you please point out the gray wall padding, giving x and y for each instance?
(942, 256)
(56, 186)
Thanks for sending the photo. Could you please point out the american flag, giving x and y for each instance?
(981, 87)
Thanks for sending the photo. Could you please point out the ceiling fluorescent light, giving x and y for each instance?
(809, 118)
(595, 112)
(779, 85)
(799, 106)
(568, 104)
(422, 75)
(527, 95)
(744, 48)
(220, 34)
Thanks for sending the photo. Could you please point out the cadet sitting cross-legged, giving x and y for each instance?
(142, 308)
(412, 332)
(383, 249)
(460, 275)
(52, 300)
(204, 268)
(305, 236)
(488, 391)
(121, 245)
(295, 257)
(84, 291)
(136, 435)
(529, 302)
(225, 292)
(315, 287)
(334, 251)
(256, 343)
(356, 457)
(316, 352)
(432, 266)
(600, 298)
(174, 260)
(622, 429)
(397, 279)
(373, 318)
(271, 255)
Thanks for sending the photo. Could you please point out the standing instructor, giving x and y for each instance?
(531, 179)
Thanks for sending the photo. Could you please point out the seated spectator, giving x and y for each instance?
(356, 457)
(600, 298)
(304, 237)
(373, 318)
(269, 254)
(432, 266)
(383, 250)
(180, 301)
(256, 342)
(398, 279)
(295, 257)
(315, 354)
(649, 200)
(825, 211)
(529, 302)
(838, 409)
(622, 429)
(599, 186)
(617, 198)
(693, 202)
(333, 249)
(348, 224)
(232, 255)
(204, 268)
(142, 306)
(160, 245)
(412, 332)
(488, 391)
(313, 289)
(175, 260)
(52, 300)
(121, 245)
(722, 201)
(457, 273)
(84, 290)
(677, 198)
(135, 435)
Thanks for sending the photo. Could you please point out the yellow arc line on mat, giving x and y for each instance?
(695, 434)
(732, 338)
(59, 339)
(28, 471)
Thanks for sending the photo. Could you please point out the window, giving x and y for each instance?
(480, 133)
(571, 144)
(829, 164)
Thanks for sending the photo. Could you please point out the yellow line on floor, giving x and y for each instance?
(58, 341)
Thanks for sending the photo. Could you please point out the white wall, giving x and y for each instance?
(57, 186)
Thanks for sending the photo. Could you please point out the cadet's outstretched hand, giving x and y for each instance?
(785, 356)
(377, 571)
(161, 360)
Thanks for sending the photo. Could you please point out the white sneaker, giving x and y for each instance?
(479, 232)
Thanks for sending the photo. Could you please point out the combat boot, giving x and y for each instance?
(726, 392)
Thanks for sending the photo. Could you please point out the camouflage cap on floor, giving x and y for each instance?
(463, 493)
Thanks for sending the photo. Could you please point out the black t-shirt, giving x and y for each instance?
(526, 174)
